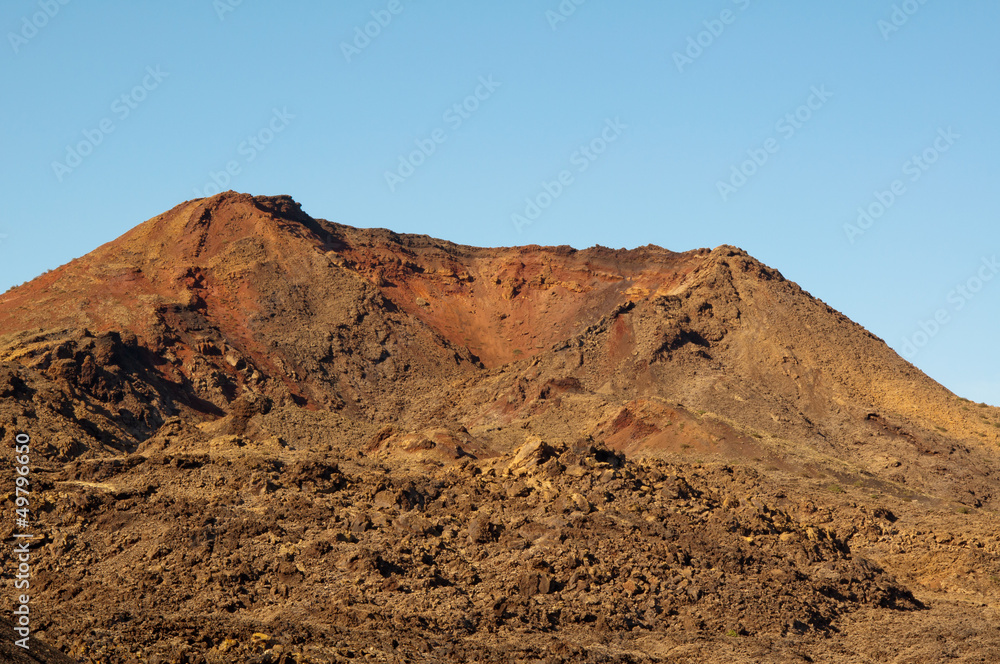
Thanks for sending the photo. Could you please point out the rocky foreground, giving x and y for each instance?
(257, 548)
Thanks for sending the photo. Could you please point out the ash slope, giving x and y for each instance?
(226, 302)
(370, 441)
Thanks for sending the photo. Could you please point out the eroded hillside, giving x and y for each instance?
(364, 445)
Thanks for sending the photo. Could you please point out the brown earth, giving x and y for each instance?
(258, 436)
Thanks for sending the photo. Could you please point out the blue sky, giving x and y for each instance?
(763, 125)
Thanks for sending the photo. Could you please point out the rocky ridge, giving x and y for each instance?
(266, 437)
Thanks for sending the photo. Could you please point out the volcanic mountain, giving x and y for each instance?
(337, 439)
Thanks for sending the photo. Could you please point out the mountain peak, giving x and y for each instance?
(236, 295)
(281, 205)
(393, 427)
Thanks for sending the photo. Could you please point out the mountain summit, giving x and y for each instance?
(358, 418)
(236, 297)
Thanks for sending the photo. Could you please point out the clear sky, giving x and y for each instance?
(765, 125)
